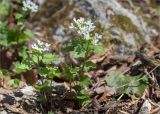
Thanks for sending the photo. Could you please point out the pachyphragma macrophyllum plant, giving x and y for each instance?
(81, 47)
(13, 34)
(40, 59)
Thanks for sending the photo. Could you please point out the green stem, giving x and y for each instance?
(85, 59)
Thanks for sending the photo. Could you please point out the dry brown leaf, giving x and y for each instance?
(30, 77)
(6, 59)
(108, 91)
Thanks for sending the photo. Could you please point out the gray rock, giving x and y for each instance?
(28, 90)
(102, 11)
(3, 112)
(60, 34)
(146, 108)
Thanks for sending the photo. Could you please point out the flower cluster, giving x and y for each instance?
(85, 28)
(97, 37)
(82, 27)
(29, 5)
(41, 46)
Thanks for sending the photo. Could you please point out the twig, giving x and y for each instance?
(154, 104)
(156, 110)
(123, 112)
(120, 97)
(154, 69)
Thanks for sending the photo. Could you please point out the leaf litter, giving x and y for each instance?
(124, 84)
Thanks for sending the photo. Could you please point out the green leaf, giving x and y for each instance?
(1, 74)
(74, 70)
(49, 58)
(23, 66)
(41, 86)
(20, 18)
(4, 8)
(98, 49)
(29, 63)
(13, 36)
(14, 83)
(77, 47)
(70, 72)
(38, 87)
(43, 72)
(125, 84)
(20, 67)
(3, 34)
(50, 112)
(70, 46)
(78, 54)
(25, 34)
(49, 72)
(29, 33)
(84, 81)
(82, 97)
(34, 52)
(22, 52)
(4, 73)
(36, 59)
(18, 15)
(54, 73)
(88, 65)
(116, 79)
(82, 49)
(10, 37)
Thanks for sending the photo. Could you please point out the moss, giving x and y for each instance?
(124, 23)
(152, 22)
(154, 4)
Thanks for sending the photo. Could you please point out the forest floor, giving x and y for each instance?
(103, 97)
(120, 84)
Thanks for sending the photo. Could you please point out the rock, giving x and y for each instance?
(40, 2)
(28, 90)
(60, 34)
(146, 108)
(101, 7)
(123, 24)
(1, 97)
(3, 112)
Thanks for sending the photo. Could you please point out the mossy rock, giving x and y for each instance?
(124, 23)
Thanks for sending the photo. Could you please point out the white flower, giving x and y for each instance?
(85, 28)
(82, 27)
(78, 21)
(97, 37)
(95, 41)
(41, 46)
(29, 5)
